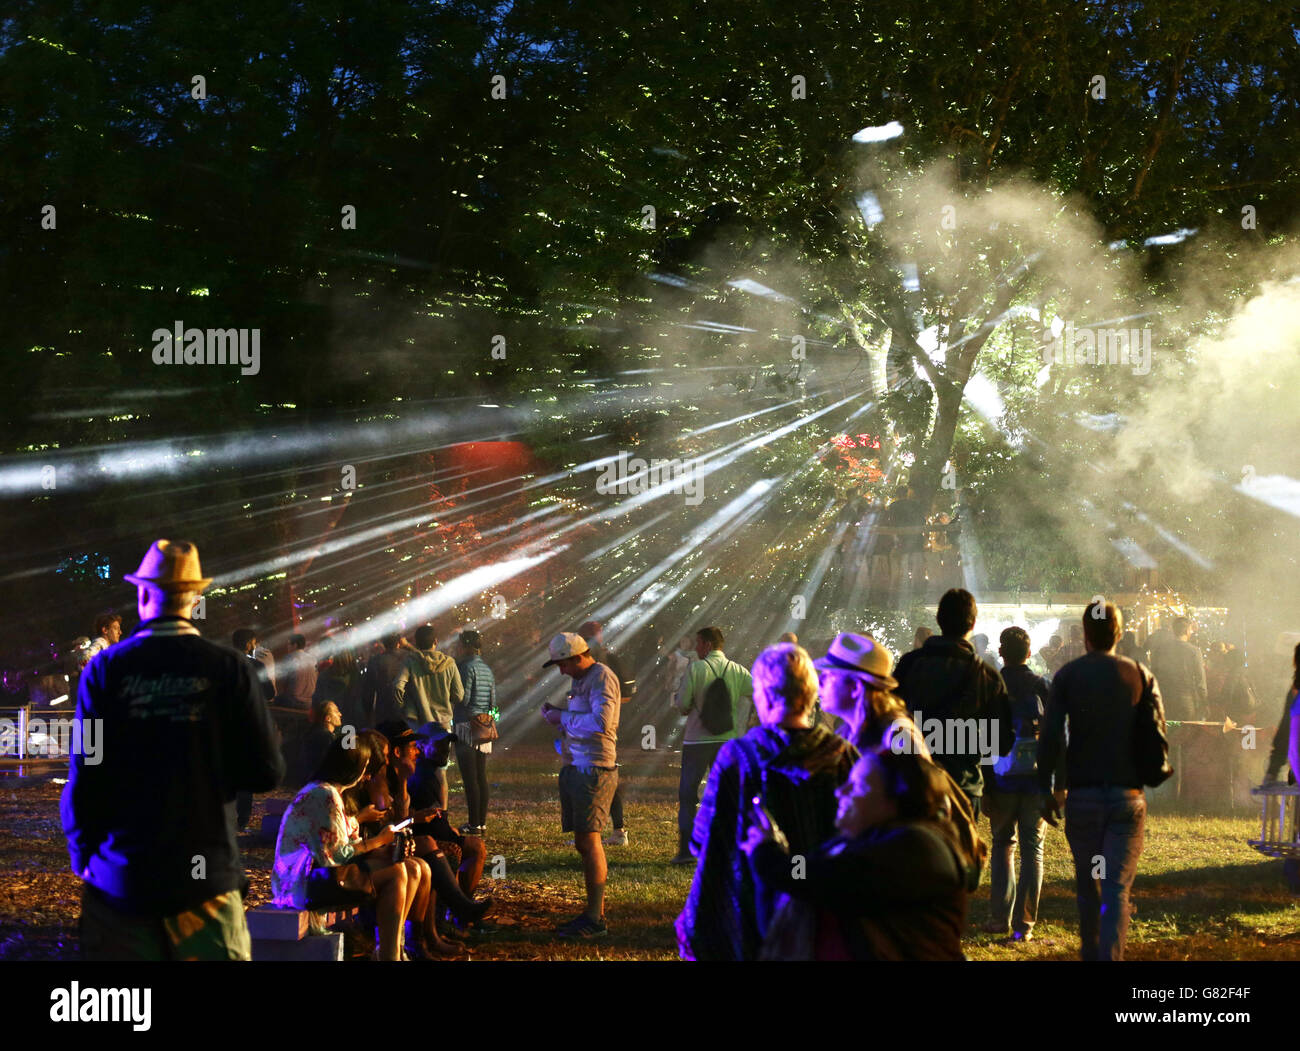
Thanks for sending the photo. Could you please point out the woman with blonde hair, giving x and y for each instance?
(855, 686)
(786, 767)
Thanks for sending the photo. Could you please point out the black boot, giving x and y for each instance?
(450, 894)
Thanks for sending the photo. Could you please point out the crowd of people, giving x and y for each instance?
(839, 817)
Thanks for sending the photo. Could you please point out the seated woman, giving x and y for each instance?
(795, 767)
(372, 803)
(429, 827)
(893, 884)
(323, 863)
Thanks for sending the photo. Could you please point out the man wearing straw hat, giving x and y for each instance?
(150, 818)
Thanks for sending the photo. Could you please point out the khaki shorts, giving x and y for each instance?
(585, 795)
(213, 930)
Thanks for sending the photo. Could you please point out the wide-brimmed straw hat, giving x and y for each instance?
(170, 566)
(860, 656)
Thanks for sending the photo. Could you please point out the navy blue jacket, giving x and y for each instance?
(1029, 694)
(182, 727)
(944, 679)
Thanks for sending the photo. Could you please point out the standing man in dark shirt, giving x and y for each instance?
(245, 641)
(1105, 809)
(378, 700)
(944, 679)
(1181, 671)
(182, 727)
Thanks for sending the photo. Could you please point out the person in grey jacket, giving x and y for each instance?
(428, 688)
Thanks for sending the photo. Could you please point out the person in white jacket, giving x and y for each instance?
(587, 784)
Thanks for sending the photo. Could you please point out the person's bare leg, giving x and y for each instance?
(422, 909)
(412, 866)
(391, 885)
(594, 871)
(473, 856)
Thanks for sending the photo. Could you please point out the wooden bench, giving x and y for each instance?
(283, 934)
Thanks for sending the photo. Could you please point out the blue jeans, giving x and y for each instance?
(1104, 827)
(1014, 903)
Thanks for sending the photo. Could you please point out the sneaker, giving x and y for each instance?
(466, 830)
(682, 859)
(1022, 936)
(617, 838)
(583, 926)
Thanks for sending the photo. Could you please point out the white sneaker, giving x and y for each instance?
(617, 838)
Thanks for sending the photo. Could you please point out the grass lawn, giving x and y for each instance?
(1201, 892)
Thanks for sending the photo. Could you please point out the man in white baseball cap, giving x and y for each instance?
(587, 783)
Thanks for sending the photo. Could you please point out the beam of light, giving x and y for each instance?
(1275, 490)
(641, 600)
(677, 282)
(701, 568)
(733, 451)
(1186, 550)
(738, 419)
(1101, 422)
(974, 577)
(1171, 238)
(716, 326)
(601, 552)
(1129, 549)
(314, 549)
(820, 568)
(709, 463)
(175, 456)
(744, 284)
(869, 208)
(1133, 553)
(389, 585)
(879, 133)
(358, 532)
(982, 396)
(425, 607)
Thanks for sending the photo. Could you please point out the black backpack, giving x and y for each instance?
(715, 707)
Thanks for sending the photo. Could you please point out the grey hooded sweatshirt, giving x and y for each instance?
(427, 688)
